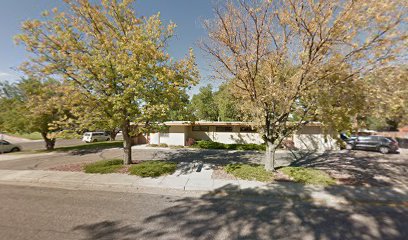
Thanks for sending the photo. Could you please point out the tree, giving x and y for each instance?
(212, 105)
(34, 106)
(281, 55)
(204, 105)
(387, 97)
(117, 59)
(228, 109)
(88, 114)
(181, 110)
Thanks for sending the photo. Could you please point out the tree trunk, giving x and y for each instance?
(127, 144)
(270, 156)
(113, 135)
(49, 142)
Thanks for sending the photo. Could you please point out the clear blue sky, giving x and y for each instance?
(187, 14)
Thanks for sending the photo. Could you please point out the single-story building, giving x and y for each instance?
(311, 136)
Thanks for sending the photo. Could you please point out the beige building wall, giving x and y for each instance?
(175, 136)
(313, 138)
(308, 138)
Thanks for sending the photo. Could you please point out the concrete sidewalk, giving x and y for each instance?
(197, 184)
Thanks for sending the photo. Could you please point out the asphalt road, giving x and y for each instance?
(43, 213)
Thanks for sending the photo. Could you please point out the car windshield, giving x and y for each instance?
(87, 134)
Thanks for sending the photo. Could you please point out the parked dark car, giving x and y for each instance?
(375, 143)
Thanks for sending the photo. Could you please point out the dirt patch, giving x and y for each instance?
(220, 173)
(281, 177)
(124, 169)
(76, 167)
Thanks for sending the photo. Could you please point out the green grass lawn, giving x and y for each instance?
(153, 168)
(308, 175)
(91, 146)
(31, 136)
(249, 172)
(104, 167)
(216, 145)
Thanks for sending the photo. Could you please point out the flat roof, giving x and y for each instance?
(220, 123)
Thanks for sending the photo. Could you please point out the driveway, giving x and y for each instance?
(362, 167)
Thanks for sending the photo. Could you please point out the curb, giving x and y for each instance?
(241, 189)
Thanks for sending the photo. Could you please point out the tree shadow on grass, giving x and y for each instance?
(212, 158)
(284, 211)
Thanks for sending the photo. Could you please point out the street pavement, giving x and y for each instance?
(36, 203)
(48, 213)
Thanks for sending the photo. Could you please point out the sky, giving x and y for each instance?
(187, 14)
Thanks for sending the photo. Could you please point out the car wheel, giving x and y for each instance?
(107, 139)
(95, 140)
(15, 149)
(384, 150)
(349, 147)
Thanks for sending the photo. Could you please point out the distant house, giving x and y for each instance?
(311, 136)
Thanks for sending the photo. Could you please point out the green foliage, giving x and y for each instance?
(153, 168)
(216, 145)
(308, 175)
(181, 110)
(104, 167)
(91, 146)
(120, 62)
(249, 172)
(215, 105)
(227, 104)
(204, 105)
(34, 106)
(163, 145)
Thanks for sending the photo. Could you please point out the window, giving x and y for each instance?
(247, 129)
(201, 128)
(223, 129)
(4, 142)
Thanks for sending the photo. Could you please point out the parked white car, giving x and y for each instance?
(95, 137)
(8, 147)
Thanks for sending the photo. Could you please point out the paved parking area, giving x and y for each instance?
(363, 167)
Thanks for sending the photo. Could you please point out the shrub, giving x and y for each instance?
(249, 172)
(308, 175)
(153, 145)
(216, 145)
(153, 168)
(105, 166)
(210, 145)
(163, 145)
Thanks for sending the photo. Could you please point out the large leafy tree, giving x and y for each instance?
(118, 60)
(281, 55)
(387, 97)
(34, 106)
(213, 105)
(227, 105)
(203, 104)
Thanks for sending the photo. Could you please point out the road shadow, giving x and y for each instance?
(108, 230)
(284, 211)
(360, 167)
